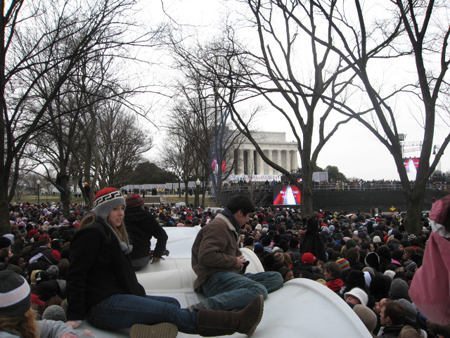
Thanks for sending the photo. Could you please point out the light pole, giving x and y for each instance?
(197, 194)
(38, 182)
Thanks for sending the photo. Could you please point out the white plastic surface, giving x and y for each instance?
(302, 308)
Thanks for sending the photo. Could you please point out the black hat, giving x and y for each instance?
(15, 298)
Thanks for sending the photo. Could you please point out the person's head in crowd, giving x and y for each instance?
(258, 248)
(343, 263)
(312, 225)
(354, 278)
(54, 312)
(18, 260)
(134, 201)
(397, 255)
(5, 254)
(404, 243)
(266, 240)
(379, 287)
(286, 273)
(241, 206)
(18, 246)
(308, 258)
(356, 296)
(409, 331)
(294, 243)
(49, 292)
(279, 257)
(383, 251)
(283, 245)
(352, 255)
(408, 252)
(410, 311)
(15, 305)
(367, 316)
(392, 313)
(373, 260)
(288, 261)
(249, 241)
(331, 270)
(377, 240)
(5, 243)
(399, 289)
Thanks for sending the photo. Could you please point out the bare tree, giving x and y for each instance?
(359, 42)
(178, 157)
(120, 143)
(36, 40)
(275, 73)
(206, 95)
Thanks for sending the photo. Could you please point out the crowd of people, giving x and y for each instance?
(370, 262)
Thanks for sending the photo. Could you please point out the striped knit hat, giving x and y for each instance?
(343, 263)
(15, 298)
(134, 200)
(105, 200)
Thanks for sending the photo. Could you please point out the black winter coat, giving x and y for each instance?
(141, 227)
(98, 269)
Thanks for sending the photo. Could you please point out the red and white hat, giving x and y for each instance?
(105, 200)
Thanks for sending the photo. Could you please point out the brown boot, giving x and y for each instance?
(220, 323)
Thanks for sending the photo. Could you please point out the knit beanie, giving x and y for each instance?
(15, 297)
(399, 289)
(367, 316)
(376, 239)
(134, 201)
(343, 263)
(258, 248)
(105, 200)
(54, 312)
(350, 244)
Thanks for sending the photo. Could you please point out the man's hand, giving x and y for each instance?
(155, 260)
(240, 260)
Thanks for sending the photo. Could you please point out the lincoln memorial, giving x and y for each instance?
(249, 164)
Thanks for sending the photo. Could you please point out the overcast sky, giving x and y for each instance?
(353, 149)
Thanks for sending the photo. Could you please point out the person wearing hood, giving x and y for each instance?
(220, 265)
(141, 226)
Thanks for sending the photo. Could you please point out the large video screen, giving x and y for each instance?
(286, 195)
(411, 164)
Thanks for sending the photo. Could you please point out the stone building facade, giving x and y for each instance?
(249, 164)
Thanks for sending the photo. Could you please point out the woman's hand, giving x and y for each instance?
(73, 324)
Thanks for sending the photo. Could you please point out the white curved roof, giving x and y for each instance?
(302, 308)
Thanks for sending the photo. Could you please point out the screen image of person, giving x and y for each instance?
(288, 195)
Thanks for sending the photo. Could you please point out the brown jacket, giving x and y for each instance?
(215, 249)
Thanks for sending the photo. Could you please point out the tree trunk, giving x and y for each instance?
(414, 205)
(5, 226)
(186, 193)
(307, 194)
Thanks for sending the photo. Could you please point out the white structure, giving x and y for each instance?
(249, 164)
(302, 308)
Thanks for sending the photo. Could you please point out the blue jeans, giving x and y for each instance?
(229, 290)
(122, 311)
